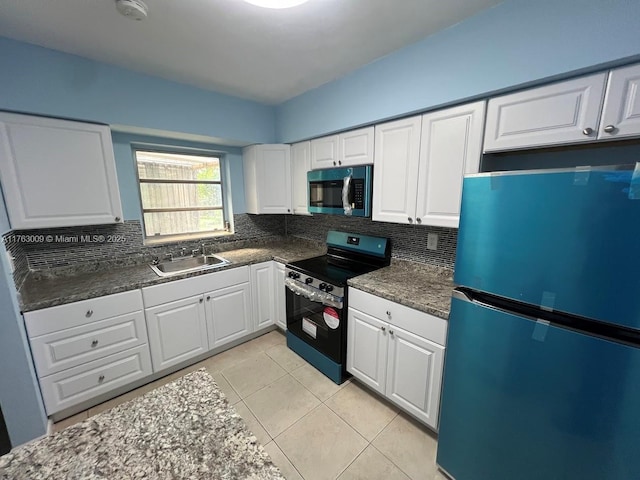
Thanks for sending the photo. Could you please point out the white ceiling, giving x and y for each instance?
(231, 46)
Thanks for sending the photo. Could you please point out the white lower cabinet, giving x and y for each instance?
(398, 352)
(177, 331)
(228, 314)
(263, 294)
(86, 349)
(280, 296)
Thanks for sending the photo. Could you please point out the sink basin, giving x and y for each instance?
(188, 264)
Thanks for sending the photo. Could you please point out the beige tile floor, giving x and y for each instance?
(312, 428)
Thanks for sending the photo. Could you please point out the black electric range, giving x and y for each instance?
(316, 296)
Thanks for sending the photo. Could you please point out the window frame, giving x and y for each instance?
(226, 207)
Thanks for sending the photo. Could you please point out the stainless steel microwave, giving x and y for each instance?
(341, 191)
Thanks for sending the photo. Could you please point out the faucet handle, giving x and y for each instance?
(168, 256)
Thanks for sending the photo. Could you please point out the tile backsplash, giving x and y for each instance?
(408, 242)
(64, 250)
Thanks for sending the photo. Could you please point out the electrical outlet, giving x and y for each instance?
(432, 241)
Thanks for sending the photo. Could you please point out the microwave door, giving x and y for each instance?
(346, 196)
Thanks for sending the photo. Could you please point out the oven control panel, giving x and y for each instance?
(314, 283)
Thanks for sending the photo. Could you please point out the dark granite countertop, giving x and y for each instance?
(416, 285)
(48, 291)
(183, 430)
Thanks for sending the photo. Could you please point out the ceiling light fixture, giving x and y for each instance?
(276, 3)
(135, 9)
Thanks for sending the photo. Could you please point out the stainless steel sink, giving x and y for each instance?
(187, 264)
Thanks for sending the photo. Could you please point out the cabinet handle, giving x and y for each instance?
(418, 220)
(101, 379)
(388, 313)
(89, 313)
(410, 220)
(94, 344)
(390, 332)
(201, 300)
(610, 128)
(587, 131)
(334, 163)
(339, 162)
(117, 219)
(288, 210)
(383, 328)
(208, 297)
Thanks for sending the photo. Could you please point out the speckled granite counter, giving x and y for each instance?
(37, 293)
(185, 429)
(416, 285)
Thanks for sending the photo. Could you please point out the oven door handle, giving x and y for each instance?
(313, 294)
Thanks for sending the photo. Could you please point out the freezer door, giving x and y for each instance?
(562, 240)
(528, 401)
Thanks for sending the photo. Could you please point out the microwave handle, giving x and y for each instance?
(346, 186)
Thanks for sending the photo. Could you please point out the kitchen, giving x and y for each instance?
(551, 44)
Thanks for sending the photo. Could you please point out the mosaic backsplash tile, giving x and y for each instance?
(60, 251)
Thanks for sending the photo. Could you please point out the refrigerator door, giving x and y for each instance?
(564, 240)
(528, 401)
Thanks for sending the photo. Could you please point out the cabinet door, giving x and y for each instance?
(324, 152)
(280, 296)
(356, 147)
(450, 147)
(300, 165)
(177, 331)
(367, 349)
(228, 314)
(565, 112)
(57, 173)
(397, 155)
(262, 294)
(414, 374)
(621, 115)
(267, 181)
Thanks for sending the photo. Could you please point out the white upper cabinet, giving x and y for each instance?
(565, 112)
(397, 155)
(420, 163)
(57, 173)
(324, 152)
(451, 147)
(300, 165)
(267, 178)
(621, 114)
(344, 150)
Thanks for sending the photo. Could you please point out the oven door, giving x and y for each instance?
(317, 318)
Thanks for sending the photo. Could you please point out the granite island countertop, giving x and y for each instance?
(48, 291)
(183, 430)
(423, 287)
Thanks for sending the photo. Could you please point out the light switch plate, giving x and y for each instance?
(432, 241)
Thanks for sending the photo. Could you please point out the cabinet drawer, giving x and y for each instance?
(76, 385)
(68, 348)
(48, 320)
(188, 287)
(419, 323)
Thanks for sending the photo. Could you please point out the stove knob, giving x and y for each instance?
(308, 280)
(328, 288)
(292, 275)
(322, 286)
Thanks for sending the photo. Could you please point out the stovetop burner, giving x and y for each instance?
(331, 269)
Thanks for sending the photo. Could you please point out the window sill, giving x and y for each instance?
(184, 238)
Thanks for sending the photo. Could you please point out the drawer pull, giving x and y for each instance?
(89, 313)
(388, 313)
(101, 379)
(208, 297)
(94, 344)
(390, 332)
(382, 328)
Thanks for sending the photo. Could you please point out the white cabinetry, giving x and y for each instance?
(621, 114)
(263, 294)
(177, 331)
(86, 349)
(398, 352)
(228, 314)
(267, 178)
(565, 112)
(420, 163)
(346, 149)
(57, 173)
(280, 296)
(300, 165)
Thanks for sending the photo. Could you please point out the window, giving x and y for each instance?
(181, 194)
